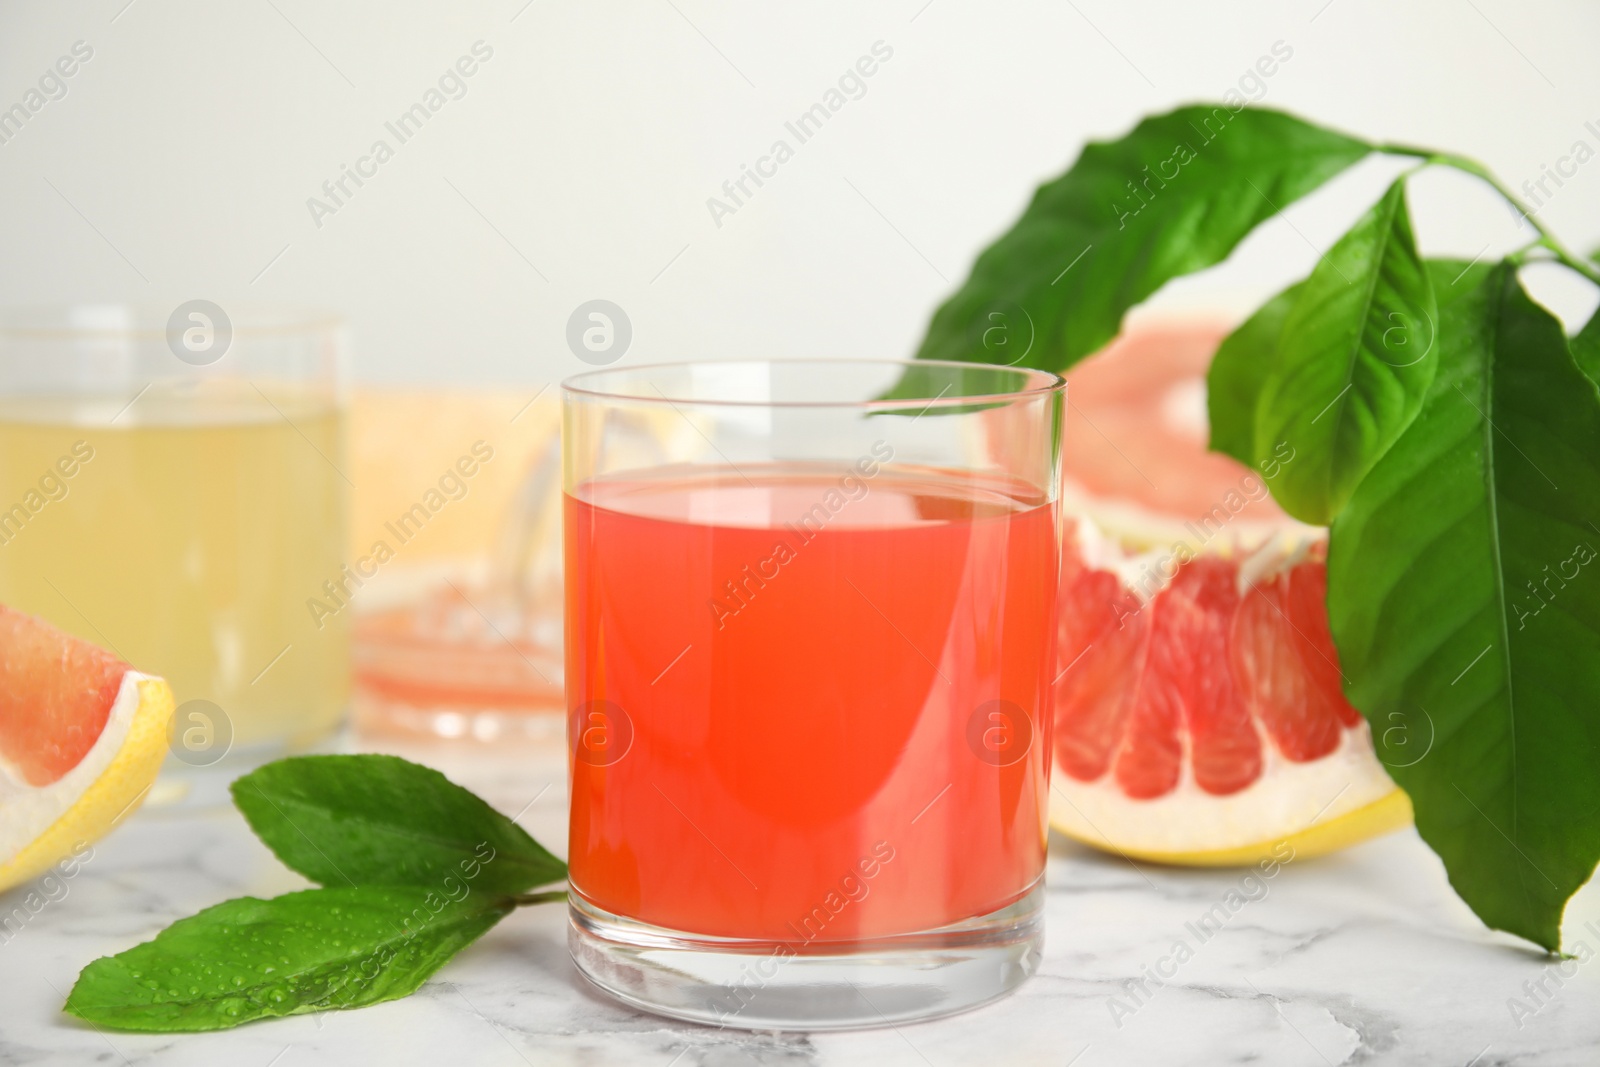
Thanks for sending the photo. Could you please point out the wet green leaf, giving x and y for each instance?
(317, 950)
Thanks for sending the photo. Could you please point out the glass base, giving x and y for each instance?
(768, 985)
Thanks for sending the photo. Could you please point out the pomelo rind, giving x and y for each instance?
(114, 794)
(1385, 815)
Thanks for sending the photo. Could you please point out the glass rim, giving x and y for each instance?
(1040, 383)
(148, 321)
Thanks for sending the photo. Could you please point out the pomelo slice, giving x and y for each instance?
(1206, 725)
(81, 739)
(1200, 717)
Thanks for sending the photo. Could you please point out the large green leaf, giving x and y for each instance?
(1455, 279)
(381, 820)
(1354, 362)
(1249, 355)
(1586, 348)
(316, 950)
(1173, 196)
(1240, 368)
(1464, 595)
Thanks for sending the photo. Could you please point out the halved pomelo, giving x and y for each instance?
(1206, 724)
(1200, 716)
(81, 739)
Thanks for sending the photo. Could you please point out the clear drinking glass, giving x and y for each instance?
(171, 488)
(809, 659)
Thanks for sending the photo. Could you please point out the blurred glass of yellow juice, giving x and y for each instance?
(186, 532)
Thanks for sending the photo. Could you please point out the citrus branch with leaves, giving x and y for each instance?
(1452, 483)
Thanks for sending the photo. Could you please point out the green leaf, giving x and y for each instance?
(1240, 368)
(1249, 355)
(1464, 596)
(1454, 279)
(1585, 347)
(382, 820)
(1172, 197)
(1355, 360)
(316, 950)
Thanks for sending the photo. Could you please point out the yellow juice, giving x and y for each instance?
(186, 532)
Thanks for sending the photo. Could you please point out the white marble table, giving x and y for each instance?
(1362, 957)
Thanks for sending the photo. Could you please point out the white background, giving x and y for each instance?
(180, 161)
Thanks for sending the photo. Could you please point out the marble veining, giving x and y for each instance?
(1362, 957)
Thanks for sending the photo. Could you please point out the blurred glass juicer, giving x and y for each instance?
(476, 653)
(473, 659)
(171, 489)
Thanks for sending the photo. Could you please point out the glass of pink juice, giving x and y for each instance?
(809, 666)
